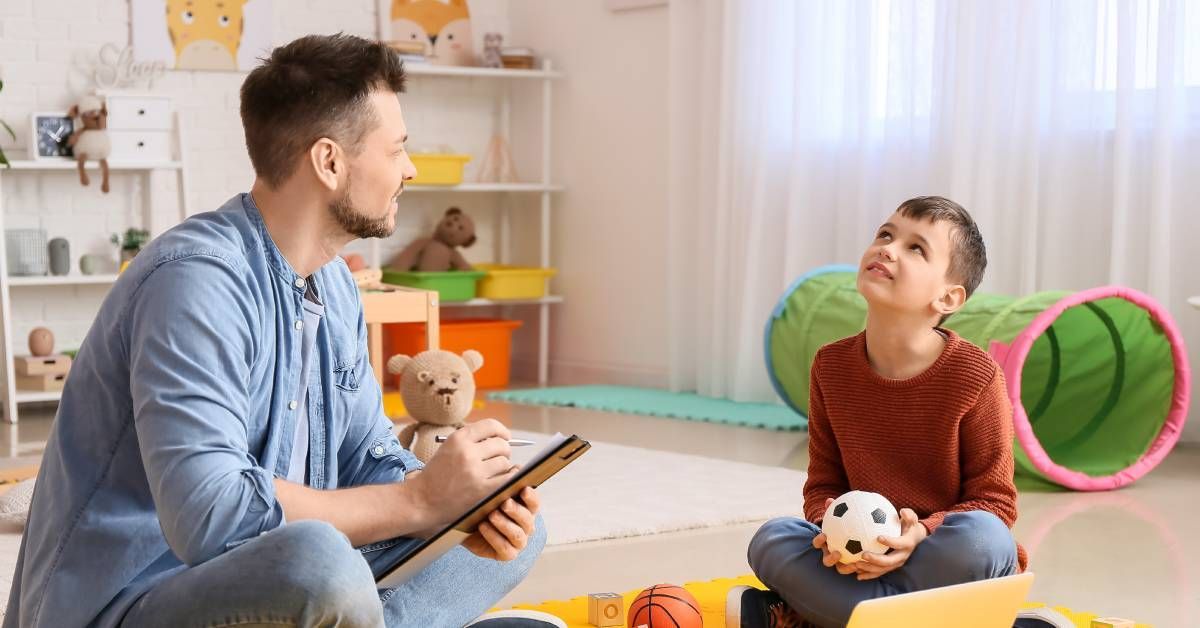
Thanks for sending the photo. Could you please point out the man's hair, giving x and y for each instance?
(316, 86)
(968, 256)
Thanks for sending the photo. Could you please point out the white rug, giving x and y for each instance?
(615, 491)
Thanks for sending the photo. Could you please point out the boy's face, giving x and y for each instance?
(905, 268)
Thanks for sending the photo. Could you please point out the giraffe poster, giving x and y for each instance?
(202, 34)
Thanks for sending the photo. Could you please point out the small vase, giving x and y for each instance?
(60, 256)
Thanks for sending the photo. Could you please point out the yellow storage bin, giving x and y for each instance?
(513, 282)
(438, 168)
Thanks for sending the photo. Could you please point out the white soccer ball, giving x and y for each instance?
(855, 521)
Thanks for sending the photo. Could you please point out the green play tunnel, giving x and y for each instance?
(1098, 379)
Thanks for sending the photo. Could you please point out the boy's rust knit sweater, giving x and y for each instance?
(937, 443)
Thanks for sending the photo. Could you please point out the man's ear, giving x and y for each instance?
(327, 161)
(951, 300)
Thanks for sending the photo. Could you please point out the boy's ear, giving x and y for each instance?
(951, 300)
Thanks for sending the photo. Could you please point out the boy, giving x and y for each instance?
(908, 410)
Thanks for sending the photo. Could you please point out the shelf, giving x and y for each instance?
(38, 397)
(489, 302)
(69, 164)
(65, 280)
(427, 69)
(1195, 302)
(485, 187)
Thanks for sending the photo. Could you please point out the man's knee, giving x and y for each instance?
(775, 543)
(978, 545)
(326, 575)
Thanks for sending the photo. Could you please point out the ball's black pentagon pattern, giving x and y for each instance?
(853, 547)
(840, 509)
(879, 516)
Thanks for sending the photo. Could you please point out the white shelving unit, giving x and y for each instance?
(544, 188)
(11, 346)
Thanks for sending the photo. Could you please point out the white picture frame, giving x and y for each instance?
(34, 153)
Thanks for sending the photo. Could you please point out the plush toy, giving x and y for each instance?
(438, 389)
(90, 140)
(439, 253)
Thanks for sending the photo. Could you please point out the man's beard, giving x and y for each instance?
(355, 222)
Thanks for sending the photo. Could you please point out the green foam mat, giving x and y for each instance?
(653, 402)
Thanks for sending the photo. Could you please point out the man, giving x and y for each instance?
(220, 455)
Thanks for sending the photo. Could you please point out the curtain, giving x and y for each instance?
(1069, 130)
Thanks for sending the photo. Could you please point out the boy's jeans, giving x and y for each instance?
(967, 546)
(307, 574)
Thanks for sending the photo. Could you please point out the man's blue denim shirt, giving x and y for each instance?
(179, 411)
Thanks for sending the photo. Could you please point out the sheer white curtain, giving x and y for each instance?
(1070, 130)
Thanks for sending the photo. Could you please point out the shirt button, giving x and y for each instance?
(299, 325)
(378, 450)
(292, 405)
(299, 283)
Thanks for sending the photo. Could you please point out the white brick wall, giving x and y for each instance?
(45, 48)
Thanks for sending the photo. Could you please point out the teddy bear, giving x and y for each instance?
(438, 389)
(439, 253)
(91, 140)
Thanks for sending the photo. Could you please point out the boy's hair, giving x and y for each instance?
(968, 256)
(316, 86)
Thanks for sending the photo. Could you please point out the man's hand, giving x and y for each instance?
(470, 465)
(912, 532)
(506, 530)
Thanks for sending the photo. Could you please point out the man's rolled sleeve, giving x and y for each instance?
(191, 334)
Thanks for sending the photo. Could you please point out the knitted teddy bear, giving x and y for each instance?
(91, 140)
(438, 389)
(439, 253)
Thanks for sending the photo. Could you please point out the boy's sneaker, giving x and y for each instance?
(747, 607)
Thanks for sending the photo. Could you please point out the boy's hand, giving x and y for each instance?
(831, 559)
(911, 534)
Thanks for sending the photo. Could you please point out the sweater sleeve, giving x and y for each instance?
(986, 455)
(826, 474)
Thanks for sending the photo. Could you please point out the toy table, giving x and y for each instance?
(397, 304)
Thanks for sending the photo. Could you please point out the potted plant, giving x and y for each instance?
(3, 159)
(132, 242)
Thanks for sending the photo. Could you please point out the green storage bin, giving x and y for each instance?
(454, 285)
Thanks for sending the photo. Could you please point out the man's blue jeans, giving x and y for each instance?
(968, 546)
(307, 574)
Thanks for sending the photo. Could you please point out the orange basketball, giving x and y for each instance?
(665, 606)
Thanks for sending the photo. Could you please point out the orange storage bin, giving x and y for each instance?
(490, 337)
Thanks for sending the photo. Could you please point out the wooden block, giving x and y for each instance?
(1112, 622)
(45, 365)
(606, 609)
(41, 383)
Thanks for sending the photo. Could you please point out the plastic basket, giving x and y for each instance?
(490, 337)
(454, 285)
(439, 168)
(513, 282)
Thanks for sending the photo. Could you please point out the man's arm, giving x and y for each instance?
(826, 474)
(190, 329)
(469, 466)
(985, 449)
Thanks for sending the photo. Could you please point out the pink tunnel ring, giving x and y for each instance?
(1012, 357)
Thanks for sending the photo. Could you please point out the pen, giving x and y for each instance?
(516, 442)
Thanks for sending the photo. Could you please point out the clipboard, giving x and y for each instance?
(560, 452)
